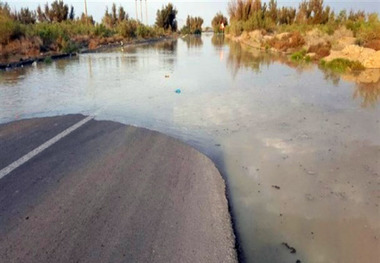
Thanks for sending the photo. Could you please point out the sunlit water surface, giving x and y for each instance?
(299, 148)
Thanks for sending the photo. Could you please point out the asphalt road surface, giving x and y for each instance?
(108, 192)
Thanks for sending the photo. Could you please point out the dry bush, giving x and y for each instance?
(374, 44)
(321, 50)
(291, 40)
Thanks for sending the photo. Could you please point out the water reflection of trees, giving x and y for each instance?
(331, 76)
(369, 92)
(61, 64)
(218, 40)
(241, 56)
(193, 41)
(245, 57)
(367, 84)
(13, 76)
(166, 49)
(165, 45)
(168, 45)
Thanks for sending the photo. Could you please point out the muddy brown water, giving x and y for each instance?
(299, 147)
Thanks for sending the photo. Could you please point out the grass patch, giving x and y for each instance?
(48, 60)
(300, 56)
(341, 65)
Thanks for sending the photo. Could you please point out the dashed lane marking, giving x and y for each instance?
(5, 171)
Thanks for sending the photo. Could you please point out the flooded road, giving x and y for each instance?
(299, 147)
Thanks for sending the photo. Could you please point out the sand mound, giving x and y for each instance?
(368, 57)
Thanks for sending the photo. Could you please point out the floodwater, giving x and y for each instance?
(299, 148)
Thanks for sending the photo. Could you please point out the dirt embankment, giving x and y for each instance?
(25, 51)
(316, 44)
(368, 57)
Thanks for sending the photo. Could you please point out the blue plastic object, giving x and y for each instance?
(177, 91)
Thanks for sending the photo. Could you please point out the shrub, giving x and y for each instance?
(48, 60)
(69, 46)
(300, 56)
(102, 31)
(143, 31)
(321, 50)
(9, 29)
(198, 31)
(374, 44)
(185, 30)
(256, 21)
(128, 28)
(6, 29)
(292, 40)
(235, 28)
(341, 65)
(159, 31)
(49, 33)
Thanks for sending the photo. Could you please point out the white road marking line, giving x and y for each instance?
(44, 146)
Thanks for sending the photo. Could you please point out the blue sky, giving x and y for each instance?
(205, 9)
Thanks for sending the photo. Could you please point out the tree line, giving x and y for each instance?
(246, 15)
(58, 27)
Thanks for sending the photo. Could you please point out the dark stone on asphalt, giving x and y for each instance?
(292, 249)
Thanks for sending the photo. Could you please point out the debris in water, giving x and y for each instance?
(292, 249)
(177, 91)
(166, 76)
(218, 145)
(309, 197)
(276, 186)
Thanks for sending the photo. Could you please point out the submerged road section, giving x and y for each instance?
(107, 192)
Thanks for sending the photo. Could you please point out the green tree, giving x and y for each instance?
(218, 19)
(88, 20)
(71, 14)
(4, 9)
(113, 14)
(41, 15)
(57, 12)
(25, 16)
(194, 24)
(166, 18)
(107, 19)
(316, 7)
(122, 14)
(272, 10)
(287, 15)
